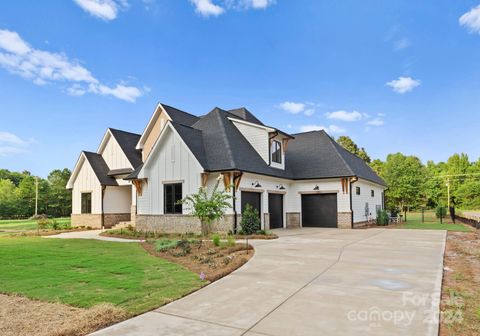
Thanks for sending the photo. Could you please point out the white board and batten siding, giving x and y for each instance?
(170, 162)
(86, 181)
(365, 197)
(113, 155)
(256, 136)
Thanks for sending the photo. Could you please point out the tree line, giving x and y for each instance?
(413, 184)
(17, 194)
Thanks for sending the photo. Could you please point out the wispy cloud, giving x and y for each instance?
(403, 84)
(376, 122)
(12, 144)
(103, 9)
(471, 20)
(401, 44)
(44, 67)
(307, 109)
(208, 8)
(333, 129)
(346, 116)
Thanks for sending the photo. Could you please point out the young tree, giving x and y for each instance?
(208, 208)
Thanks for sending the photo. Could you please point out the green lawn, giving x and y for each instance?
(26, 224)
(414, 221)
(87, 272)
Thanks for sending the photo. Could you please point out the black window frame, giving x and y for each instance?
(86, 203)
(358, 191)
(276, 155)
(372, 193)
(172, 193)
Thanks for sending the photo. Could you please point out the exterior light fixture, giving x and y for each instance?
(281, 187)
(316, 187)
(256, 184)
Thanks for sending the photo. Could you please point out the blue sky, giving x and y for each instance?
(394, 75)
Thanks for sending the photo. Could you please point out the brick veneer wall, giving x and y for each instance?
(112, 219)
(344, 220)
(293, 220)
(180, 224)
(92, 220)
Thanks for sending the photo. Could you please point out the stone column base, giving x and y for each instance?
(91, 220)
(293, 220)
(344, 220)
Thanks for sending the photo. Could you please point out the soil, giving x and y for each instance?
(460, 304)
(213, 261)
(23, 316)
(117, 234)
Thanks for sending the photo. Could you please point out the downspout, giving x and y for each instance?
(103, 214)
(235, 219)
(352, 181)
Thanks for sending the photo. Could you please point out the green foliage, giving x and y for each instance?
(184, 245)
(441, 211)
(347, 143)
(230, 241)
(382, 217)
(208, 207)
(43, 223)
(250, 220)
(163, 245)
(216, 239)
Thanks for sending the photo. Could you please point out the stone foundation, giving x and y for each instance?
(112, 219)
(266, 221)
(92, 220)
(293, 220)
(360, 225)
(344, 220)
(133, 213)
(180, 224)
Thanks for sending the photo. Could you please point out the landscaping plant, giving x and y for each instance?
(250, 220)
(208, 208)
(216, 240)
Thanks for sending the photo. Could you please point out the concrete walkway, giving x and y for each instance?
(315, 282)
(91, 234)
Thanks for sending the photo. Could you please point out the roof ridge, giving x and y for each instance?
(119, 130)
(332, 143)
(228, 146)
(193, 115)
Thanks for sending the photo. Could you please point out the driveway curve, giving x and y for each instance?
(315, 282)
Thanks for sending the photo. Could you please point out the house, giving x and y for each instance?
(294, 180)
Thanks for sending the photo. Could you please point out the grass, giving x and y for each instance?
(414, 221)
(27, 224)
(85, 273)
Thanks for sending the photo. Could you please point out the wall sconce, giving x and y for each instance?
(280, 187)
(316, 188)
(256, 184)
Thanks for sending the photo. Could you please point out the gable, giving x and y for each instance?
(153, 135)
(256, 136)
(113, 154)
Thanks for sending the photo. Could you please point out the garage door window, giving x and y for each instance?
(173, 194)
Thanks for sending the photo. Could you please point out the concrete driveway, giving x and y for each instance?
(315, 282)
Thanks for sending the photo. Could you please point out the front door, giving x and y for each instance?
(275, 209)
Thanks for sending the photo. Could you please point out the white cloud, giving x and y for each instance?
(330, 129)
(12, 144)
(471, 20)
(309, 112)
(207, 8)
(257, 4)
(401, 44)
(346, 116)
(44, 67)
(403, 84)
(375, 122)
(103, 9)
(292, 107)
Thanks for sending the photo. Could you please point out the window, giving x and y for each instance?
(357, 190)
(172, 194)
(372, 193)
(86, 203)
(276, 150)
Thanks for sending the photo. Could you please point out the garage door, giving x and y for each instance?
(252, 198)
(275, 209)
(319, 210)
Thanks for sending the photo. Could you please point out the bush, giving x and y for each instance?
(216, 240)
(43, 223)
(163, 245)
(250, 220)
(184, 245)
(230, 241)
(55, 224)
(382, 217)
(441, 211)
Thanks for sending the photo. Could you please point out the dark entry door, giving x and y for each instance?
(319, 210)
(275, 208)
(252, 198)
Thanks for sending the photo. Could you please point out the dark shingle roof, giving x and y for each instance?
(180, 116)
(133, 175)
(246, 115)
(121, 171)
(100, 168)
(128, 141)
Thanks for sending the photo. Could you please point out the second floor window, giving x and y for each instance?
(276, 150)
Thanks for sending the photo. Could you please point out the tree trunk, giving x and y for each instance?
(205, 226)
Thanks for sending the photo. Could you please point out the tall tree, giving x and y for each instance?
(60, 199)
(347, 143)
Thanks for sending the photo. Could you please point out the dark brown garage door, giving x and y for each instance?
(275, 209)
(252, 198)
(319, 210)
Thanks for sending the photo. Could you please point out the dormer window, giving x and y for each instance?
(276, 151)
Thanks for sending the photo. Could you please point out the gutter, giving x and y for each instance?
(102, 222)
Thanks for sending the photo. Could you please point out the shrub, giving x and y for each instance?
(382, 217)
(230, 241)
(184, 245)
(55, 224)
(261, 232)
(441, 211)
(216, 240)
(163, 245)
(43, 223)
(250, 220)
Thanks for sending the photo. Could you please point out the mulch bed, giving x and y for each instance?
(179, 236)
(214, 262)
(460, 304)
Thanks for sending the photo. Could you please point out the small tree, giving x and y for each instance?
(208, 208)
(250, 220)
